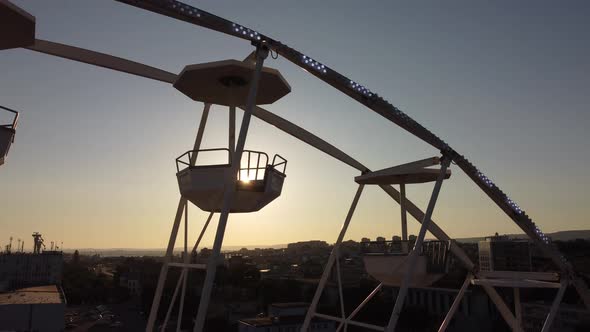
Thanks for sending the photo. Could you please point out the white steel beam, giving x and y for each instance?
(164, 270)
(399, 169)
(554, 307)
(228, 194)
(516, 283)
(351, 322)
(517, 306)
(318, 143)
(340, 293)
(232, 130)
(182, 204)
(184, 269)
(171, 306)
(505, 312)
(455, 304)
(413, 255)
(101, 60)
(202, 233)
(404, 217)
(360, 306)
(328, 268)
(189, 266)
(200, 132)
(542, 276)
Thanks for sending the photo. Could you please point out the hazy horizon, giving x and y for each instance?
(504, 83)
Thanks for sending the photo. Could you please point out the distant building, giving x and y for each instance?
(33, 309)
(308, 244)
(501, 253)
(285, 317)
(569, 318)
(132, 281)
(18, 270)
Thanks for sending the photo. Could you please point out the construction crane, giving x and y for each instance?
(37, 243)
(9, 246)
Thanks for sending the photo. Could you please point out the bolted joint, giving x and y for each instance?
(262, 49)
(445, 159)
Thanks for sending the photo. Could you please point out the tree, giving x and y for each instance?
(76, 258)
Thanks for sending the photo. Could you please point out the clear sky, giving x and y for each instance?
(505, 83)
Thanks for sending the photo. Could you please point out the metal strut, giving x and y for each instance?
(413, 255)
(229, 190)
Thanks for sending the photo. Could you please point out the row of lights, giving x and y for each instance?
(314, 64)
(185, 9)
(514, 207)
(490, 184)
(359, 88)
(245, 31)
(540, 234)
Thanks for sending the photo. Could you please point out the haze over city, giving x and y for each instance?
(93, 161)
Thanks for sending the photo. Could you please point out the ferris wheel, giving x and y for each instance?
(247, 180)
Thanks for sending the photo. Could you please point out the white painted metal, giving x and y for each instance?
(554, 307)
(232, 130)
(404, 215)
(433, 228)
(200, 132)
(171, 306)
(505, 312)
(316, 142)
(391, 269)
(184, 274)
(524, 283)
(387, 111)
(411, 167)
(360, 306)
(184, 270)
(202, 233)
(174, 233)
(328, 268)
(518, 275)
(342, 320)
(205, 188)
(101, 60)
(413, 255)
(340, 82)
(261, 54)
(164, 270)
(340, 293)
(517, 306)
(455, 304)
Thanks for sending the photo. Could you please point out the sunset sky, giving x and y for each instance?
(504, 83)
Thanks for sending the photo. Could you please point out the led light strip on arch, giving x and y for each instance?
(245, 31)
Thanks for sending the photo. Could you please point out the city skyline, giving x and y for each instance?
(94, 145)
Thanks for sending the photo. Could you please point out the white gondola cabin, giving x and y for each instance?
(258, 181)
(7, 131)
(388, 261)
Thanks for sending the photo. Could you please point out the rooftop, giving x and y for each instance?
(290, 305)
(33, 295)
(270, 321)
